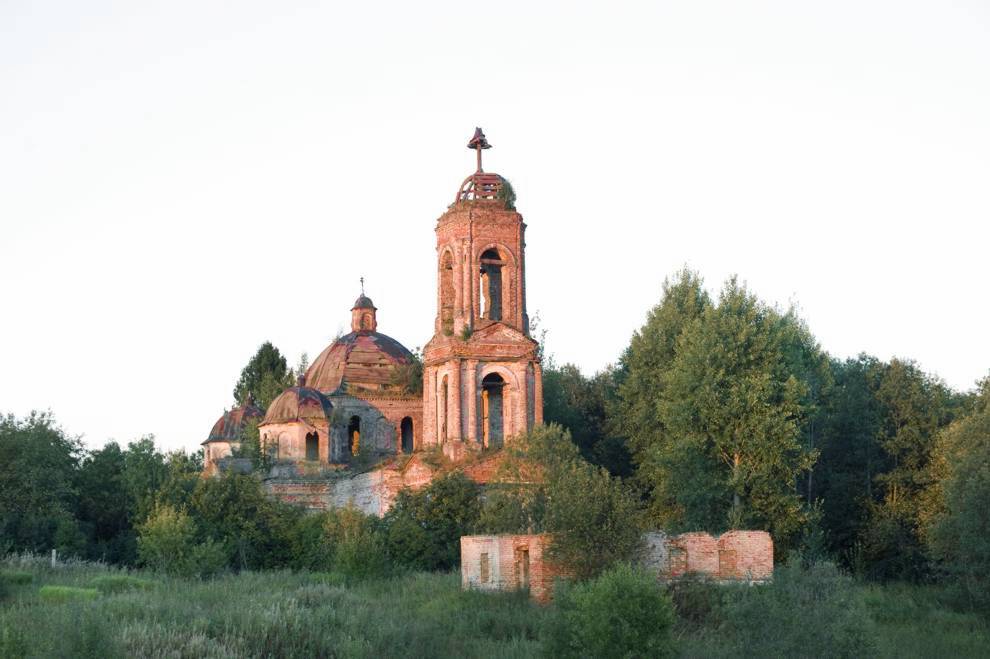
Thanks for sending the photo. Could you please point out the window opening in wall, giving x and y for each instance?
(522, 567)
(491, 284)
(678, 561)
(406, 434)
(485, 569)
(727, 563)
(312, 446)
(447, 293)
(443, 409)
(366, 321)
(492, 387)
(354, 433)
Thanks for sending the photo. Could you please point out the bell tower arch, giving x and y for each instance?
(482, 327)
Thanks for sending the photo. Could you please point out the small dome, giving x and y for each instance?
(363, 302)
(229, 427)
(300, 403)
(365, 358)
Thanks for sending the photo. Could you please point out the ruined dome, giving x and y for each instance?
(299, 403)
(363, 302)
(228, 427)
(365, 359)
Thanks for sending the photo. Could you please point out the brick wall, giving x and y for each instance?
(507, 562)
(733, 556)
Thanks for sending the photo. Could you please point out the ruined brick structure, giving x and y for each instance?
(732, 556)
(481, 382)
(514, 562)
(507, 562)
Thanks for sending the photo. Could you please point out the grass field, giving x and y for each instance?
(85, 610)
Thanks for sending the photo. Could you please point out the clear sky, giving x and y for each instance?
(181, 181)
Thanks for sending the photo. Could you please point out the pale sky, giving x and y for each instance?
(181, 181)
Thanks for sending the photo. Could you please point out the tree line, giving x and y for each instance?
(721, 413)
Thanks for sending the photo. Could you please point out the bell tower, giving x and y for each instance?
(482, 380)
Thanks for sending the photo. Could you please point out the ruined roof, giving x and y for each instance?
(229, 426)
(364, 358)
(299, 403)
(363, 302)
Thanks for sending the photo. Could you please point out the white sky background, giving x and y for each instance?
(181, 181)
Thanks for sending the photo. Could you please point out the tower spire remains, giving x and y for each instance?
(478, 143)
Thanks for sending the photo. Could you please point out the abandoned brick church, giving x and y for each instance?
(482, 382)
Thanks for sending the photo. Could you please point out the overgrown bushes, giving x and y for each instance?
(622, 613)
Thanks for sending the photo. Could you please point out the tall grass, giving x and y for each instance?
(305, 614)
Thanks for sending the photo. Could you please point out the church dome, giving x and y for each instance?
(228, 427)
(299, 403)
(364, 358)
(363, 302)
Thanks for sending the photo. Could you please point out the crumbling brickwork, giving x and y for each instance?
(733, 556)
(507, 562)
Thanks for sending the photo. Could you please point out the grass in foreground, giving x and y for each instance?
(302, 614)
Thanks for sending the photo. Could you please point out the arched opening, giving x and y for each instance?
(354, 434)
(366, 322)
(447, 293)
(443, 409)
(491, 284)
(491, 410)
(312, 446)
(406, 434)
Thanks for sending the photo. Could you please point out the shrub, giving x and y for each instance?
(813, 611)
(16, 577)
(166, 540)
(59, 594)
(308, 545)
(358, 546)
(622, 613)
(119, 583)
(698, 600)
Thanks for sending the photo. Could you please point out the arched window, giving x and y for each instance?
(491, 410)
(354, 434)
(406, 433)
(312, 446)
(447, 293)
(491, 284)
(366, 322)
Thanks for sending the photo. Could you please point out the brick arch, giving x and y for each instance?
(509, 277)
(510, 398)
(447, 288)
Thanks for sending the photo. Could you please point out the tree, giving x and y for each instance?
(423, 529)
(105, 508)
(729, 411)
(234, 511)
(957, 519)
(580, 405)
(38, 490)
(545, 486)
(265, 376)
(913, 408)
(851, 455)
(144, 473)
(644, 367)
(409, 376)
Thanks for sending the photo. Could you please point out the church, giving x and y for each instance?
(481, 380)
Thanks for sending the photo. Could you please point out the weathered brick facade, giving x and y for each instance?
(507, 562)
(733, 556)
(513, 562)
(482, 381)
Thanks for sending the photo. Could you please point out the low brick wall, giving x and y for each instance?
(507, 562)
(733, 556)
